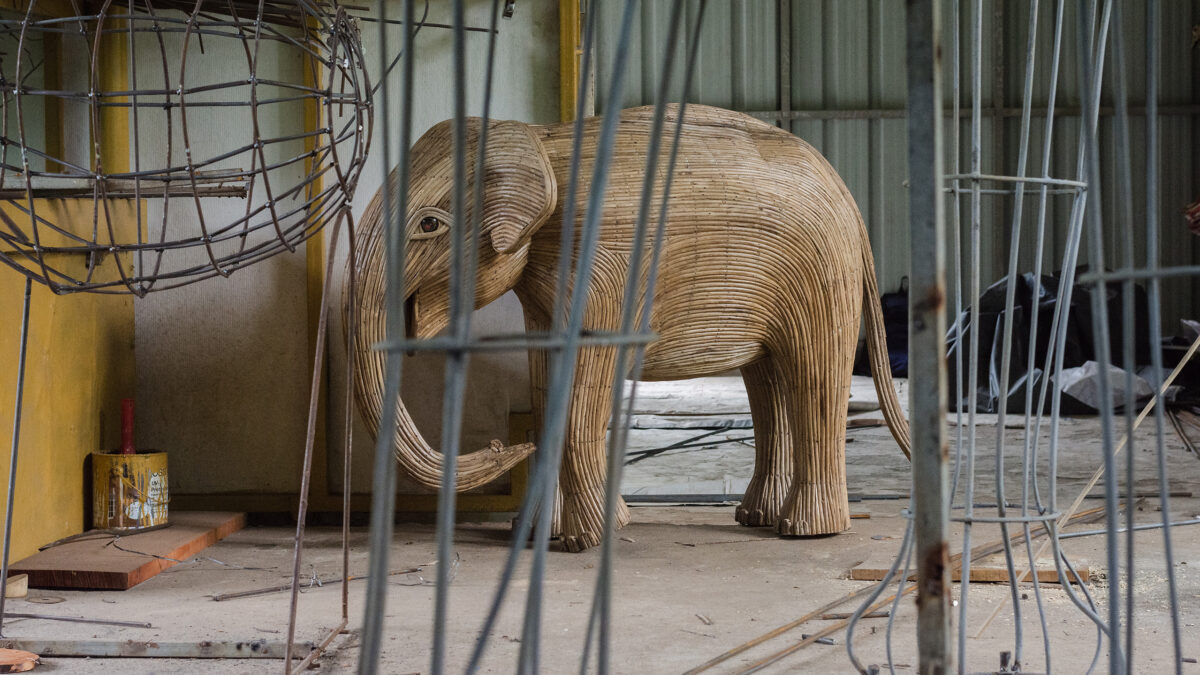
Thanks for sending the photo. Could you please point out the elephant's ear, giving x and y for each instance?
(520, 191)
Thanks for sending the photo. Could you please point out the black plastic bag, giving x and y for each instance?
(1079, 348)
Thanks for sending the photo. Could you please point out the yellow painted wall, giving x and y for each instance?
(80, 364)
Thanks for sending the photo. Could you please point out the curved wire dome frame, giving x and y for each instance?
(182, 97)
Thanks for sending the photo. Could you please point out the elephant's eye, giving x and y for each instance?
(430, 223)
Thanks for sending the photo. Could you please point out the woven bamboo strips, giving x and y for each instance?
(766, 267)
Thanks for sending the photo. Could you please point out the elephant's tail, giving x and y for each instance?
(881, 369)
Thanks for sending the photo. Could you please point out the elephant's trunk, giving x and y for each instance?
(424, 464)
(417, 458)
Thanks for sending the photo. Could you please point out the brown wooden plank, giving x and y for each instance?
(987, 571)
(93, 563)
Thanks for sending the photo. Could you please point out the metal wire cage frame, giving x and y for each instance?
(170, 136)
(292, 180)
(926, 545)
(927, 538)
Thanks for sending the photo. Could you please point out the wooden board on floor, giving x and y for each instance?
(91, 563)
(989, 570)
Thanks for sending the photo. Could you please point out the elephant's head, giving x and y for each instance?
(519, 194)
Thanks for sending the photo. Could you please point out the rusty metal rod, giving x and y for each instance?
(221, 597)
(154, 649)
(16, 441)
(320, 648)
(977, 553)
(318, 372)
(80, 619)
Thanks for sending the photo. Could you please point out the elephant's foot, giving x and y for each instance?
(583, 520)
(763, 499)
(814, 509)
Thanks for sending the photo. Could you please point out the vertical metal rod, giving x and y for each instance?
(785, 62)
(348, 416)
(926, 336)
(461, 285)
(1032, 442)
(1010, 295)
(16, 441)
(1033, 432)
(1124, 217)
(463, 262)
(1155, 298)
(601, 615)
(542, 474)
(567, 237)
(973, 360)
(563, 366)
(1100, 324)
(310, 438)
(956, 196)
(383, 485)
(1058, 336)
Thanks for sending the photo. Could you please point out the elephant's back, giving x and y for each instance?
(760, 231)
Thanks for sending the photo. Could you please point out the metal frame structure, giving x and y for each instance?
(564, 343)
(934, 191)
(1099, 24)
(119, 105)
(940, 483)
(327, 39)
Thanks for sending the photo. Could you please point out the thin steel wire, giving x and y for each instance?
(622, 409)
(1124, 185)
(280, 212)
(534, 491)
(463, 263)
(1095, 25)
(383, 485)
(22, 352)
(973, 359)
(1154, 294)
(1006, 340)
(562, 366)
(318, 376)
(1116, 659)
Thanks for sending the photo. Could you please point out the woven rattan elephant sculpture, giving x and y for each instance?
(766, 267)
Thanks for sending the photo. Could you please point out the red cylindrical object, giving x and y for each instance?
(127, 447)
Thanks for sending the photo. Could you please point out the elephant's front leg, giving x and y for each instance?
(578, 510)
(584, 467)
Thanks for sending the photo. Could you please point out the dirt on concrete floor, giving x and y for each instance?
(690, 584)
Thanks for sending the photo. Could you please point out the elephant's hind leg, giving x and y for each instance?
(772, 394)
(817, 501)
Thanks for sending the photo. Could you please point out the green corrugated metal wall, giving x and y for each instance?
(847, 59)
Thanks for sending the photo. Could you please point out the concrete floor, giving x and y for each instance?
(676, 564)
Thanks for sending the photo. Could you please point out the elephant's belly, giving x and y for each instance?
(679, 357)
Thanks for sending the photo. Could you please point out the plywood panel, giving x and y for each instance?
(95, 563)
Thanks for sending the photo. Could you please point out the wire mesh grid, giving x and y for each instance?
(145, 136)
(1029, 516)
(563, 342)
(1023, 521)
(139, 142)
(1037, 510)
